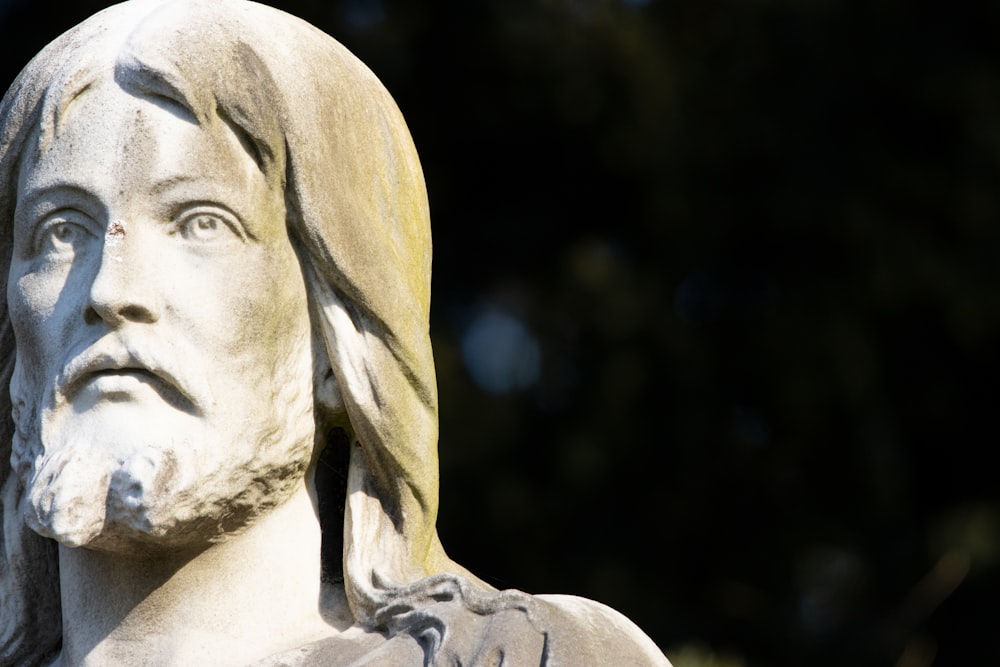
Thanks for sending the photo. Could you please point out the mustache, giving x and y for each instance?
(177, 382)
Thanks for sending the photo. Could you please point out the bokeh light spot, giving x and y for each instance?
(500, 353)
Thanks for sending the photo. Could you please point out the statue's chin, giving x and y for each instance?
(168, 496)
(102, 503)
(130, 514)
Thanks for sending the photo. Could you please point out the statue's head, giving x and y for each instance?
(163, 383)
(215, 241)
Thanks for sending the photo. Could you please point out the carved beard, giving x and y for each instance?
(171, 480)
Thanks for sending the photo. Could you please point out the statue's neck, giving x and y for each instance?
(239, 601)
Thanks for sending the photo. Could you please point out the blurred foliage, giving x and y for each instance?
(734, 266)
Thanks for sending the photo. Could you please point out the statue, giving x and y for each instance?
(223, 423)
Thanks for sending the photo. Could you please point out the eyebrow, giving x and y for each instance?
(75, 189)
(173, 181)
(48, 190)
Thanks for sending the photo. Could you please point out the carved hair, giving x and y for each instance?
(319, 124)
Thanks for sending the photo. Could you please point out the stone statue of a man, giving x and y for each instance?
(215, 241)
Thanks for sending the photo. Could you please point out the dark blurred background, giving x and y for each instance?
(716, 308)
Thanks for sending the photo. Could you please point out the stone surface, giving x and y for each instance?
(216, 337)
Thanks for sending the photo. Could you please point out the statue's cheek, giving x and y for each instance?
(32, 300)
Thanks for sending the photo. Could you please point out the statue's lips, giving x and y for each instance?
(121, 381)
(122, 373)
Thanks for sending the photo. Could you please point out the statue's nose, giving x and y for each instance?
(123, 288)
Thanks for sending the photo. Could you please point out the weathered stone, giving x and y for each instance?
(217, 256)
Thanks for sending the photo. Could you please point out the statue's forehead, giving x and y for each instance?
(106, 136)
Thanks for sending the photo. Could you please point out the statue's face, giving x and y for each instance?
(164, 368)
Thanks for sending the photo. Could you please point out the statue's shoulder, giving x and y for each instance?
(584, 632)
(516, 629)
(513, 629)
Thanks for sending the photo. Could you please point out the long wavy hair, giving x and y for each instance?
(315, 117)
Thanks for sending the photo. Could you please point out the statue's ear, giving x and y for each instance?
(328, 396)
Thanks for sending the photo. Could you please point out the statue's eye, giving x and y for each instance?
(62, 234)
(208, 227)
(202, 227)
